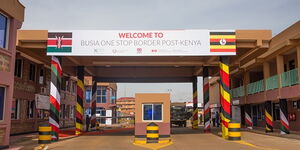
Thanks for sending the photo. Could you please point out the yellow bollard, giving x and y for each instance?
(152, 133)
(234, 133)
(44, 133)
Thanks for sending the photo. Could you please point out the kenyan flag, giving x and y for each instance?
(59, 42)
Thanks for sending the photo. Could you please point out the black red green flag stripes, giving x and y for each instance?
(55, 85)
(225, 95)
(206, 99)
(268, 116)
(93, 104)
(222, 41)
(79, 104)
(248, 118)
(59, 42)
(285, 127)
(195, 104)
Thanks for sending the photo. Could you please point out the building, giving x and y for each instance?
(11, 19)
(265, 81)
(106, 107)
(126, 106)
(30, 105)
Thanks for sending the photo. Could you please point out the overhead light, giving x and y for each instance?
(176, 66)
(107, 65)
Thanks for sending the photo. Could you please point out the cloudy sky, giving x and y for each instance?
(160, 14)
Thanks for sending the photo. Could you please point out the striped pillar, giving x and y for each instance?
(195, 104)
(55, 85)
(225, 95)
(284, 129)
(248, 118)
(79, 104)
(206, 100)
(93, 104)
(268, 116)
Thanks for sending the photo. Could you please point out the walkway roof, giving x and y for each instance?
(32, 44)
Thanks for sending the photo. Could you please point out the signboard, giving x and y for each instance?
(141, 43)
(42, 101)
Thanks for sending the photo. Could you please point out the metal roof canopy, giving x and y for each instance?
(33, 44)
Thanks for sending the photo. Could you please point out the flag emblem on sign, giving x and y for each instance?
(223, 41)
(59, 42)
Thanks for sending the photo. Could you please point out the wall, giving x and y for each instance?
(15, 12)
(142, 98)
(213, 89)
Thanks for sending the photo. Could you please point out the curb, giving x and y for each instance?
(271, 134)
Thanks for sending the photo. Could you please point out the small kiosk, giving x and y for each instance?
(152, 118)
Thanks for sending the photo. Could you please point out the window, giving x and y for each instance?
(88, 111)
(276, 111)
(73, 87)
(32, 72)
(62, 111)
(30, 109)
(67, 111)
(112, 96)
(261, 112)
(101, 94)
(18, 68)
(40, 113)
(152, 112)
(15, 110)
(2, 98)
(88, 96)
(3, 31)
(296, 104)
(72, 108)
(102, 114)
(292, 65)
(41, 78)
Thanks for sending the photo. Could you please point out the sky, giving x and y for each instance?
(275, 15)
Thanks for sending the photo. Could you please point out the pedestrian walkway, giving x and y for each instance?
(292, 135)
(30, 141)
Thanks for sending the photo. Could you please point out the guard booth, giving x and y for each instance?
(152, 117)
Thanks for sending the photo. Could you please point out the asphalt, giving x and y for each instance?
(182, 138)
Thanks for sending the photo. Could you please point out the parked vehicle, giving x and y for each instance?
(179, 114)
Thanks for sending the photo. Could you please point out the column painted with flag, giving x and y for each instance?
(284, 129)
(79, 104)
(248, 118)
(206, 99)
(195, 104)
(55, 85)
(225, 95)
(268, 116)
(93, 104)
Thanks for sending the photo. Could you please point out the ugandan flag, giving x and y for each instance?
(222, 41)
(59, 42)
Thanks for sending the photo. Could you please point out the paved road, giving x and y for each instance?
(183, 138)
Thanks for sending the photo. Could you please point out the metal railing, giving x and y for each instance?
(237, 92)
(272, 82)
(289, 78)
(255, 87)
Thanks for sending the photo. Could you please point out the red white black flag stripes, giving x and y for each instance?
(206, 99)
(284, 129)
(248, 118)
(56, 75)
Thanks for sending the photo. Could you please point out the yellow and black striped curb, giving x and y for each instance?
(234, 133)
